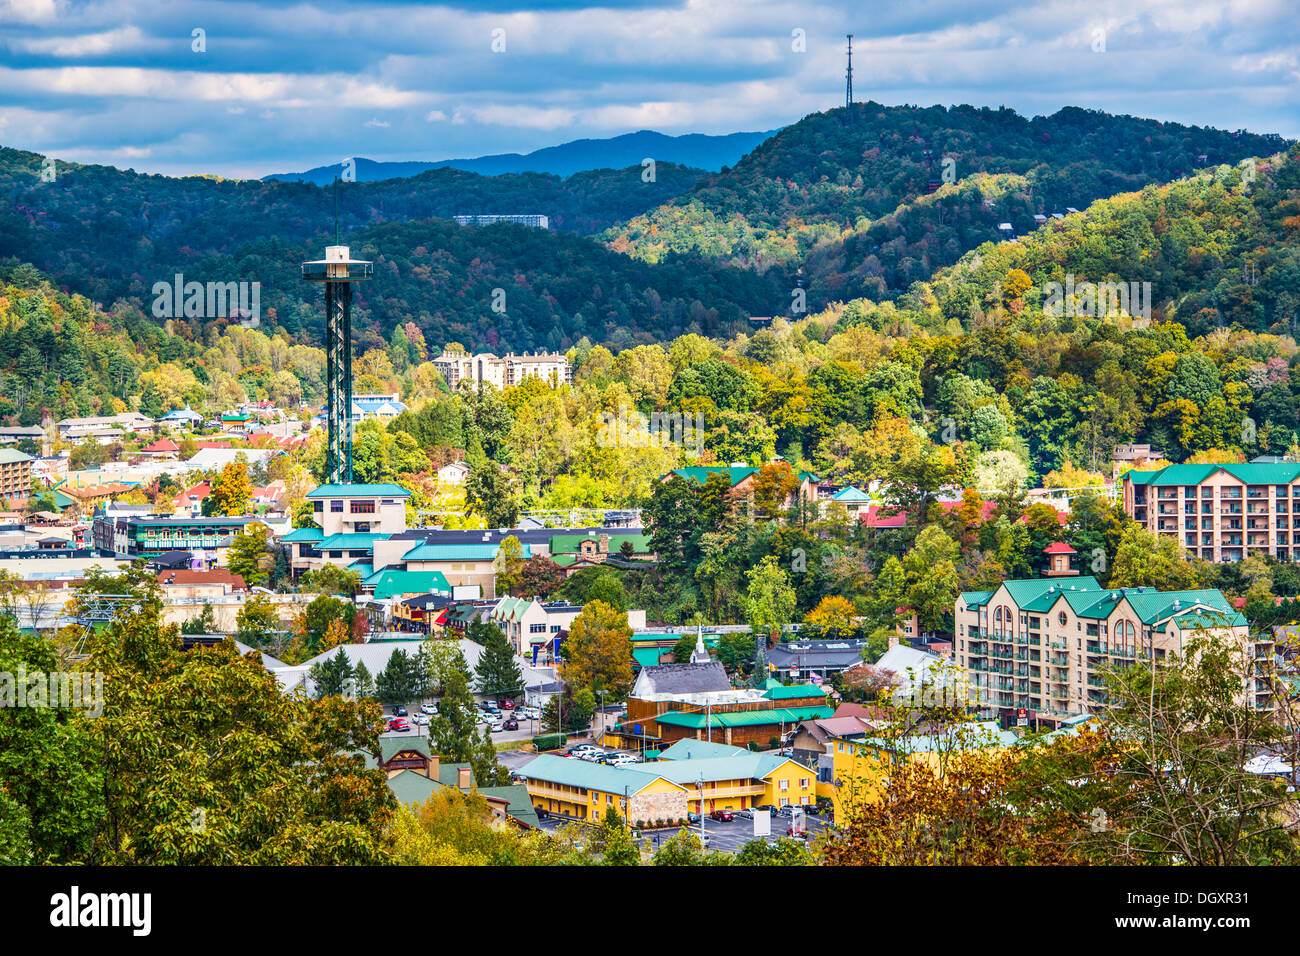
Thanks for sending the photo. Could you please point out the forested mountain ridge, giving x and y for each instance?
(111, 234)
(865, 185)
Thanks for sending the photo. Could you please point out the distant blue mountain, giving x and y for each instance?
(698, 150)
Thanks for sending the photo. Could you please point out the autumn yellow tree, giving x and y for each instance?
(833, 616)
(598, 652)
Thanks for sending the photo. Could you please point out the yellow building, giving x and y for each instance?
(860, 767)
(727, 778)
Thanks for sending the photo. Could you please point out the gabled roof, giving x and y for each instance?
(591, 776)
(359, 491)
(851, 495)
(702, 473)
(304, 534)
(682, 679)
(390, 583)
(1254, 473)
(569, 543)
(688, 749)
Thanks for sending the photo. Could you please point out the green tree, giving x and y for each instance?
(250, 556)
(498, 670)
(257, 623)
(769, 601)
(398, 682)
(331, 676)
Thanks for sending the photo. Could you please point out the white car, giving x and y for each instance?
(430, 709)
(622, 760)
(496, 725)
(420, 720)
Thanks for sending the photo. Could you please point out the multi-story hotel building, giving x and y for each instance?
(1221, 512)
(1038, 649)
(503, 371)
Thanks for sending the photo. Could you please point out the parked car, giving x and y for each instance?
(814, 809)
(420, 720)
(507, 704)
(430, 709)
(399, 711)
(622, 760)
(532, 713)
(591, 756)
(510, 724)
(786, 811)
(722, 816)
(692, 818)
(766, 806)
(398, 723)
(745, 814)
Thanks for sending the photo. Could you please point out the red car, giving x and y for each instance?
(507, 705)
(399, 723)
(722, 816)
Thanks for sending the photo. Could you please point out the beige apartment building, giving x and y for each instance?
(1038, 649)
(503, 371)
(1221, 512)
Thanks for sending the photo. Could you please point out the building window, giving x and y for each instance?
(336, 507)
(363, 507)
(785, 784)
(536, 628)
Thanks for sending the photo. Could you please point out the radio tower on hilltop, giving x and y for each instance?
(338, 270)
(848, 85)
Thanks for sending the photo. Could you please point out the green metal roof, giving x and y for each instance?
(359, 491)
(392, 582)
(688, 749)
(589, 776)
(702, 473)
(519, 804)
(850, 494)
(304, 534)
(457, 552)
(794, 691)
(744, 718)
(569, 543)
(348, 542)
(1253, 473)
(976, 598)
(647, 656)
(745, 765)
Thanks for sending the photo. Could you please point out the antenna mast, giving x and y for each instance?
(848, 84)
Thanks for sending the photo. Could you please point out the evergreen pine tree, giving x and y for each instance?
(365, 681)
(498, 671)
(331, 675)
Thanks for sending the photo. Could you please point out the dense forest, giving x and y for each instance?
(868, 207)
(111, 234)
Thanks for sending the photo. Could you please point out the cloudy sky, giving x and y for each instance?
(257, 86)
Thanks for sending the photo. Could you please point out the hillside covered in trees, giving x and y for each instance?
(870, 207)
(111, 234)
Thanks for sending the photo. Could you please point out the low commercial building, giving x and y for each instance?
(722, 778)
(147, 536)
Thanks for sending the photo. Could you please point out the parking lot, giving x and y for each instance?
(723, 837)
